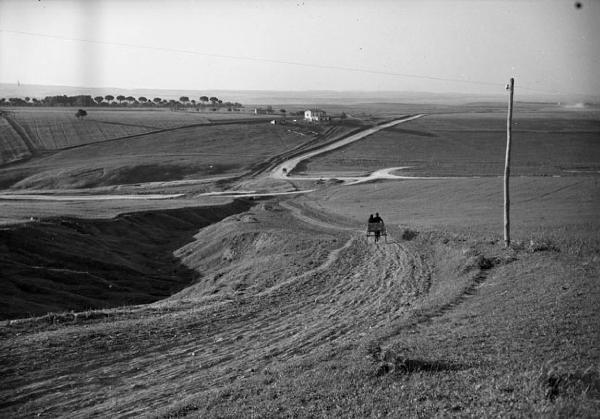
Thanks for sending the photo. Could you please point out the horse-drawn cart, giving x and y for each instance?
(376, 230)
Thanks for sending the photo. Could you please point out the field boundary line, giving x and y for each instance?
(21, 132)
(158, 131)
(123, 124)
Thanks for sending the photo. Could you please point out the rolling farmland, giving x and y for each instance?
(13, 147)
(473, 144)
(322, 209)
(113, 157)
(47, 129)
(283, 308)
(55, 129)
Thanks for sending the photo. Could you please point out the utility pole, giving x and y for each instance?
(511, 88)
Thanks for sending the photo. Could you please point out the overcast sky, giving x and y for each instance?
(550, 46)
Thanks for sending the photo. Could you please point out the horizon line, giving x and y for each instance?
(451, 93)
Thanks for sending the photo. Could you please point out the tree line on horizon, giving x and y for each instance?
(122, 101)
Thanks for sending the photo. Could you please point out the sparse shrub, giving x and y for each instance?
(390, 361)
(482, 262)
(487, 263)
(558, 380)
(408, 234)
(385, 361)
(373, 350)
(517, 245)
(81, 113)
(542, 245)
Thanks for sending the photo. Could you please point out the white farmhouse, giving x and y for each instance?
(315, 115)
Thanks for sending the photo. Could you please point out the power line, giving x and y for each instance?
(272, 61)
(256, 59)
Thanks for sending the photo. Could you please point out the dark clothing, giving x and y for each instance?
(377, 219)
(377, 230)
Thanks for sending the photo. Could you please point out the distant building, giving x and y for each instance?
(316, 115)
(260, 111)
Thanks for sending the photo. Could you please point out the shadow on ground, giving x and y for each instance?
(63, 264)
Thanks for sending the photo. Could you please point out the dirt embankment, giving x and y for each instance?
(72, 264)
(275, 287)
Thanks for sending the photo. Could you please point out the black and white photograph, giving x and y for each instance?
(299, 209)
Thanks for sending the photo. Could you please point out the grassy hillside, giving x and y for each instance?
(49, 129)
(13, 147)
(171, 155)
(69, 264)
(297, 315)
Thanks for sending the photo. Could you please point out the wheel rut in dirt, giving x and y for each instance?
(274, 287)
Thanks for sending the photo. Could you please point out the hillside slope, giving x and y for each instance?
(296, 314)
(13, 147)
(66, 264)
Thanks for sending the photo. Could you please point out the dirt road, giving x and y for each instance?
(39, 197)
(133, 361)
(279, 172)
(282, 170)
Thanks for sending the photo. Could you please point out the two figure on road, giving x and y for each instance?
(376, 228)
(376, 219)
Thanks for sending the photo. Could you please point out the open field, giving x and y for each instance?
(43, 129)
(13, 147)
(539, 205)
(473, 144)
(187, 152)
(284, 308)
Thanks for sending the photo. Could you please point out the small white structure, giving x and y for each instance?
(315, 115)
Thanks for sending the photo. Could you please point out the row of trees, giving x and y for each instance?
(119, 100)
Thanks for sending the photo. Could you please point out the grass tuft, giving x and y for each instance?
(542, 245)
(558, 380)
(408, 234)
(390, 361)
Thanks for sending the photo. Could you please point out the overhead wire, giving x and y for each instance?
(274, 61)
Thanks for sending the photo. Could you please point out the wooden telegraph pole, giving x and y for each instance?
(511, 88)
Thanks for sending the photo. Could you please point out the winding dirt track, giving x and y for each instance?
(142, 359)
(282, 170)
(279, 171)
